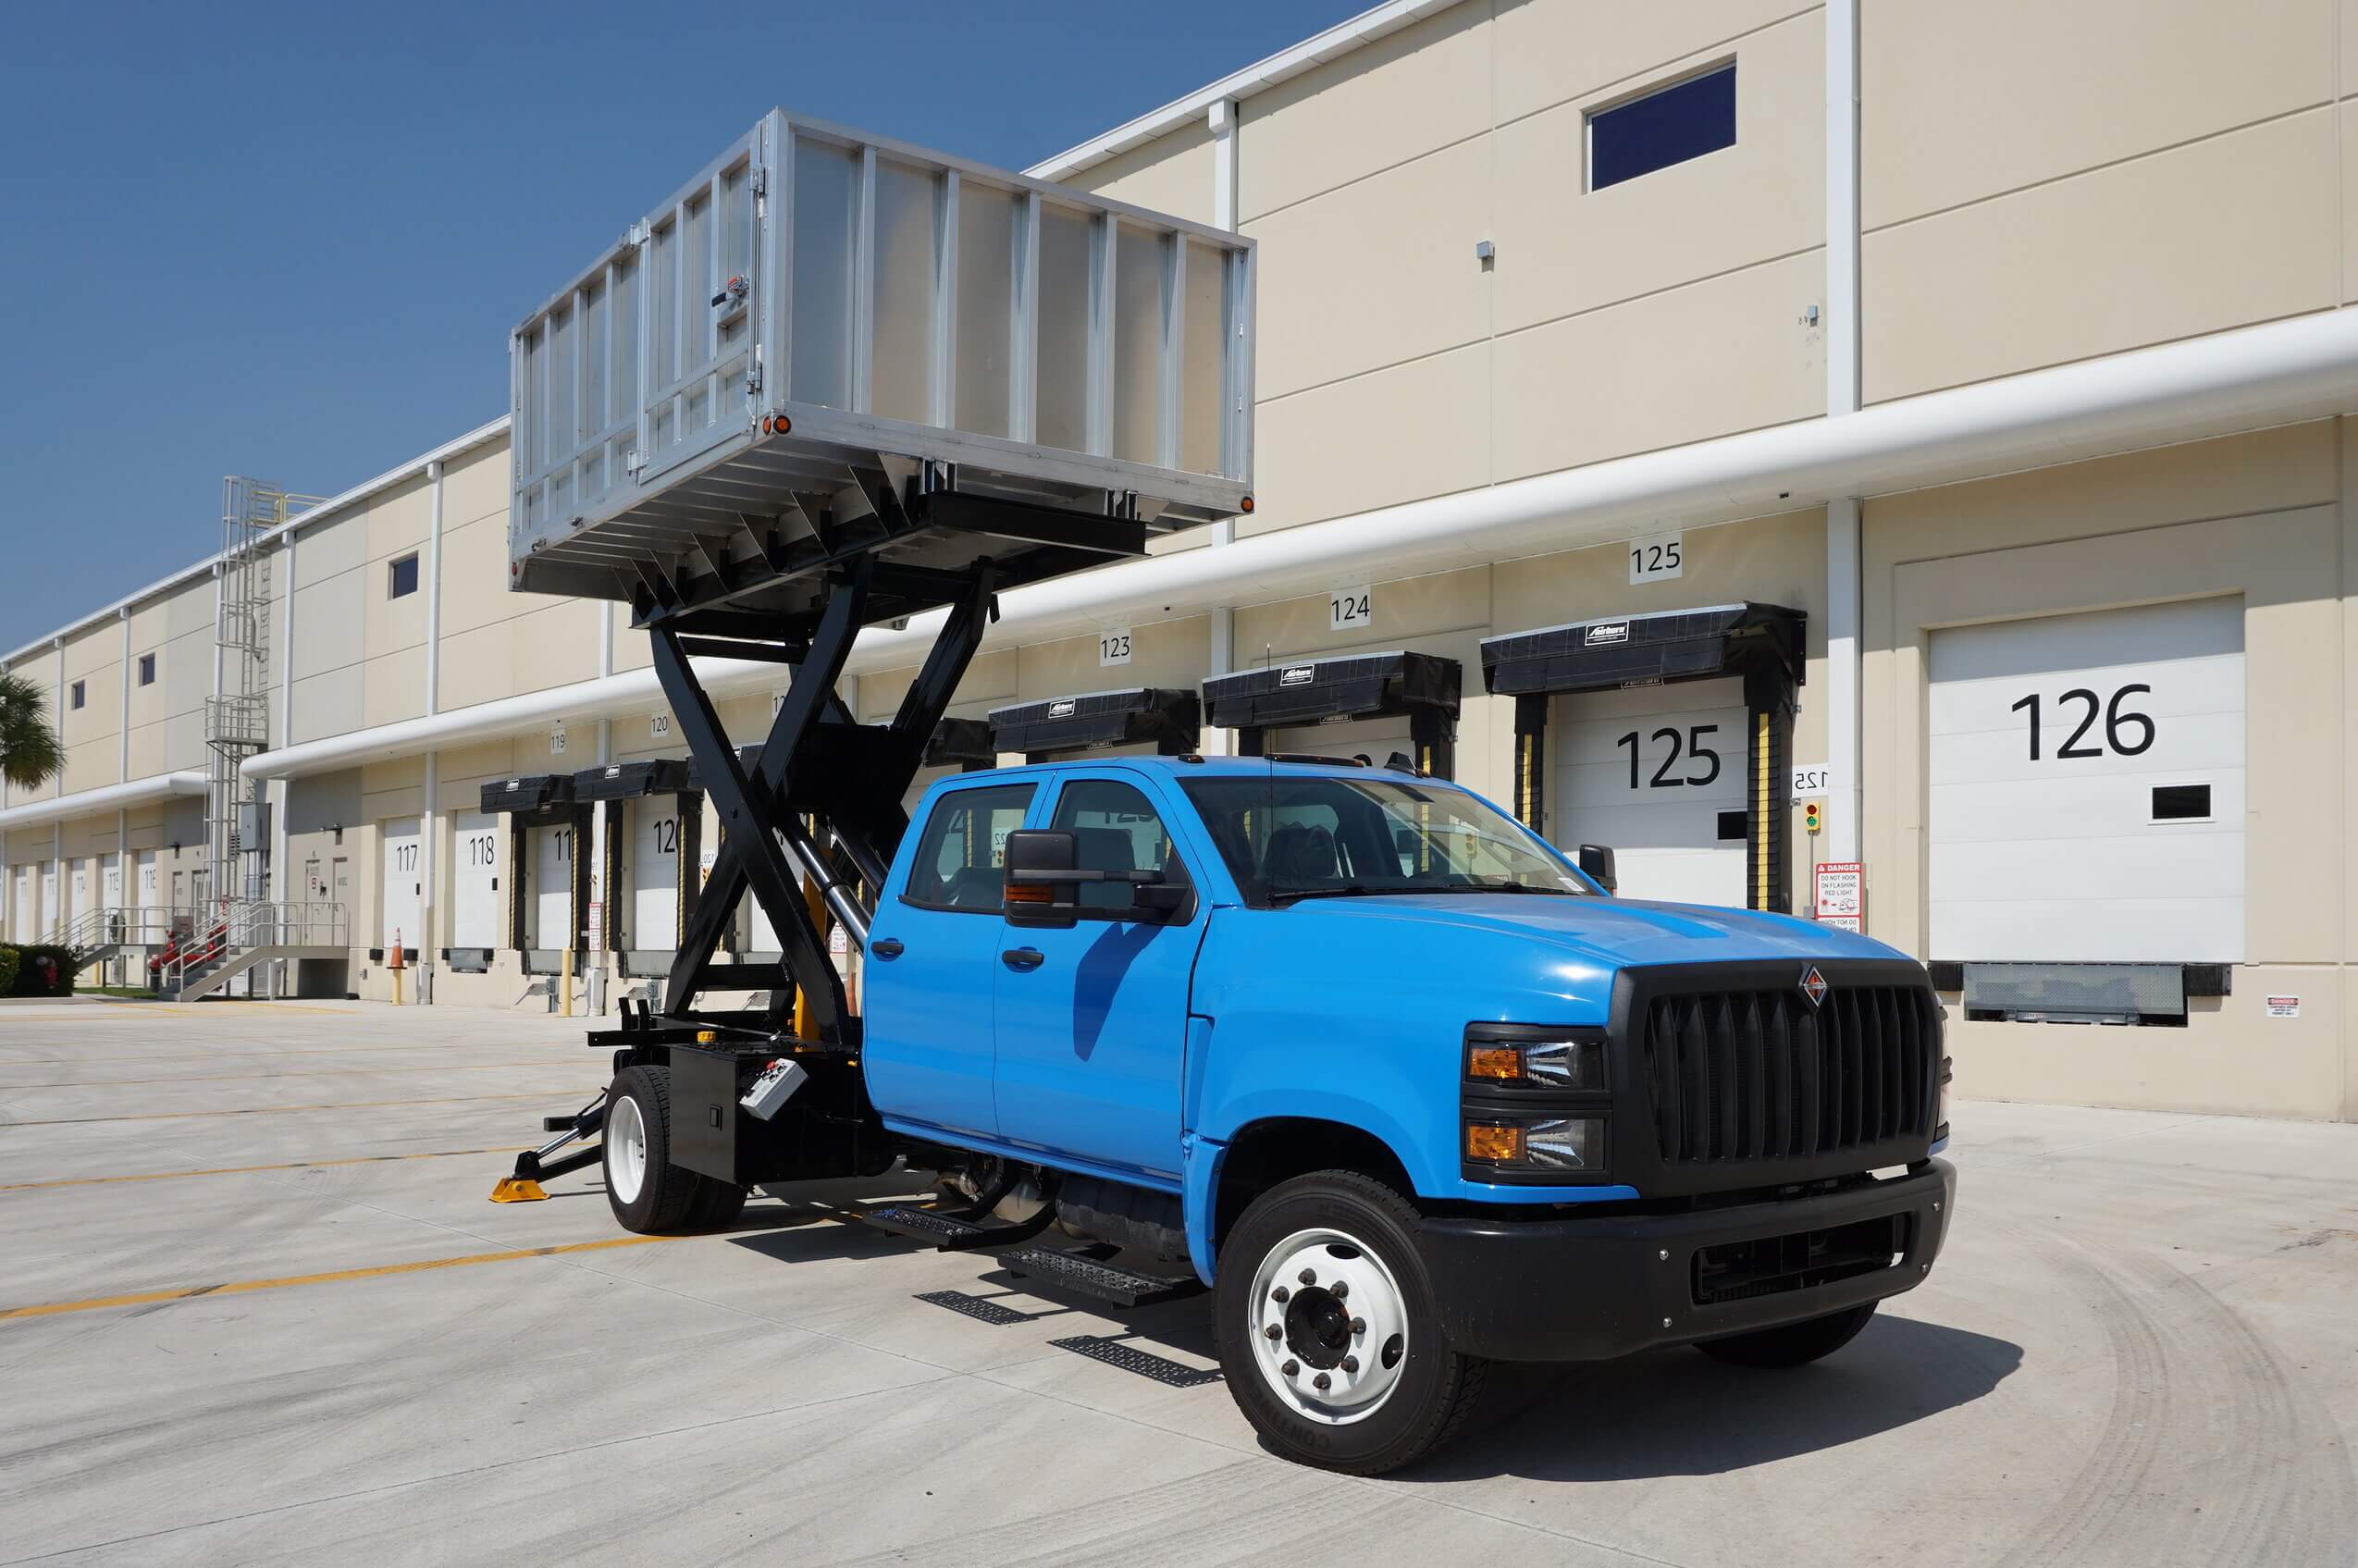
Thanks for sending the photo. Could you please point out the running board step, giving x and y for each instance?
(1085, 1275)
(947, 1232)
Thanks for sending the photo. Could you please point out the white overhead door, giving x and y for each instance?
(110, 880)
(143, 889)
(552, 888)
(401, 881)
(2086, 779)
(1658, 773)
(24, 918)
(48, 914)
(475, 879)
(655, 873)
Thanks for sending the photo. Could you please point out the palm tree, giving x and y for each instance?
(30, 755)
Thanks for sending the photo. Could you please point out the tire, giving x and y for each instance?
(1794, 1344)
(1406, 1395)
(648, 1194)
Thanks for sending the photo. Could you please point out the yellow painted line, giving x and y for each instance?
(271, 1110)
(255, 1076)
(245, 1170)
(243, 1286)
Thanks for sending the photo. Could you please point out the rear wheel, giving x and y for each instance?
(1328, 1332)
(717, 1203)
(1794, 1344)
(647, 1193)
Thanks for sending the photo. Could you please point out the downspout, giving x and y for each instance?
(430, 819)
(1222, 118)
(1844, 605)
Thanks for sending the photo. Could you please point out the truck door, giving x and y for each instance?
(1091, 1020)
(931, 955)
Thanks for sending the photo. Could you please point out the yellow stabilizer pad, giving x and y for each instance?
(518, 1190)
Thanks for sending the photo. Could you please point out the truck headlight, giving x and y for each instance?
(1535, 1144)
(1518, 1056)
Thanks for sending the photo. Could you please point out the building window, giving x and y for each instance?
(76, 698)
(148, 669)
(403, 578)
(1668, 125)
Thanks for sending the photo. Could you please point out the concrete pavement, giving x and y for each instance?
(315, 1340)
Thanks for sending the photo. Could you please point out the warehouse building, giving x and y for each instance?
(1762, 438)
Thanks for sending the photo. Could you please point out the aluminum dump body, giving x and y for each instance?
(819, 312)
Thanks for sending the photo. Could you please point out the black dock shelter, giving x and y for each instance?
(1422, 688)
(541, 800)
(1763, 644)
(1171, 720)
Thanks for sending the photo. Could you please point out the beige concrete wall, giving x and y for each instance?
(2041, 183)
(2262, 516)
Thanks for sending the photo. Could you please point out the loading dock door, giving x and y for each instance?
(1376, 739)
(24, 920)
(2086, 787)
(401, 881)
(655, 874)
(475, 879)
(552, 888)
(1658, 773)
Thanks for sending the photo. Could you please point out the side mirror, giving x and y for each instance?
(1597, 863)
(1043, 884)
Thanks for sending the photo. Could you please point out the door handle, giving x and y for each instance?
(886, 947)
(1023, 957)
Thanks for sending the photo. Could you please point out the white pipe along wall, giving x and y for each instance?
(2279, 374)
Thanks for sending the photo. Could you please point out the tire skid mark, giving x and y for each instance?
(2195, 1389)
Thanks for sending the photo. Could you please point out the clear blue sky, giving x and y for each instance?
(290, 240)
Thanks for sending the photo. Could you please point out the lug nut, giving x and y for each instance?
(1280, 1295)
(1664, 1254)
(1290, 1368)
(1666, 1322)
(1308, 1277)
(1350, 1363)
(1321, 1382)
(1273, 1331)
(1359, 1325)
(1342, 1289)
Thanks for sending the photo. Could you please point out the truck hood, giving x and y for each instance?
(1609, 932)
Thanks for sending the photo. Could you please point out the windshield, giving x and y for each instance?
(1304, 837)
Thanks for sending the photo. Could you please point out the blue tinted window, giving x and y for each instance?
(1695, 117)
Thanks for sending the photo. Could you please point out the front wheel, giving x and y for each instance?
(1328, 1333)
(1792, 1344)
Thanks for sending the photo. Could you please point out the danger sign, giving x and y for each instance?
(1841, 897)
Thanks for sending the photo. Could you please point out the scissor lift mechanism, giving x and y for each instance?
(822, 803)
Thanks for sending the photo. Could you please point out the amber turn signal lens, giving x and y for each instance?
(1247, 503)
(1503, 1062)
(1029, 893)
(1494, 1143)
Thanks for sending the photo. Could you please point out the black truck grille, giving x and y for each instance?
(1761, 1075)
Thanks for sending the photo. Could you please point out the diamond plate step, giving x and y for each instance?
(1091, 1277)
(942, 1230)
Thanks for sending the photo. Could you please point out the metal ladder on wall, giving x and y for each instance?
(237, 717)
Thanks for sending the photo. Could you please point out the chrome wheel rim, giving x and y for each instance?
(1329, 1327)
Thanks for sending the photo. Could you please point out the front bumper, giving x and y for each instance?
(1588, 1289)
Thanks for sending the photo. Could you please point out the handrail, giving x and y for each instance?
(245, 924)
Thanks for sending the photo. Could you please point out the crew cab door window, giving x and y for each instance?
(933, 958)
(1091, 1018)
(962, 855)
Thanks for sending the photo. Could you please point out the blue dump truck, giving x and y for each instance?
(1408, 1090)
